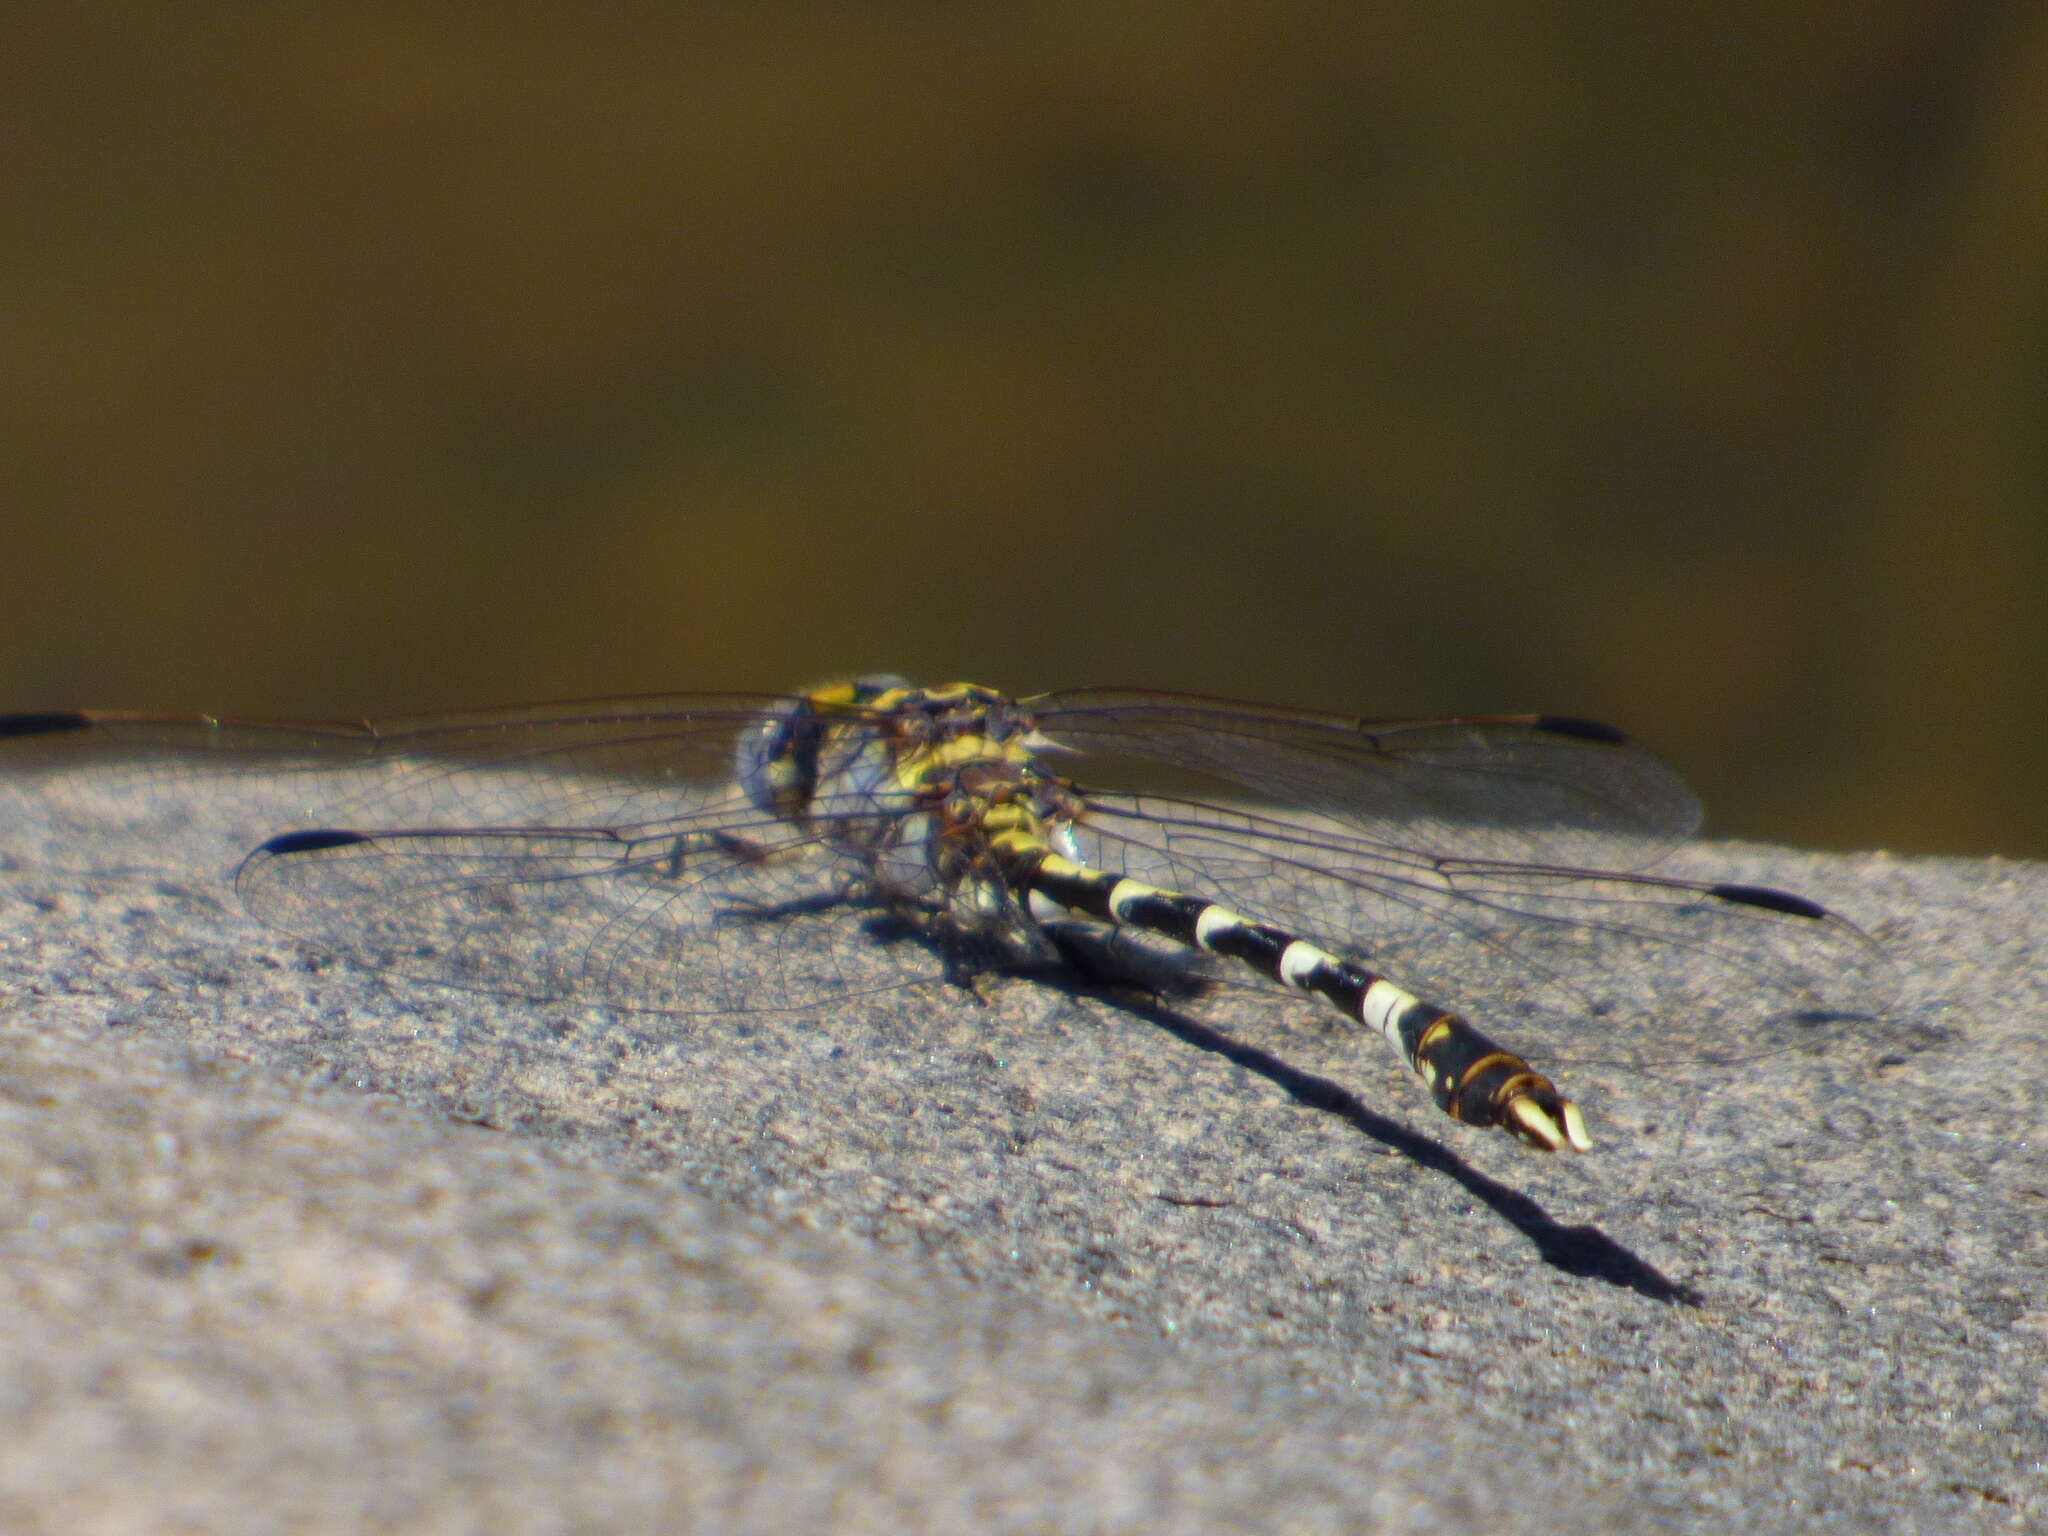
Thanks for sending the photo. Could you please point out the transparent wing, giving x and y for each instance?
(596, 763)
(598, 852)
(1521, 788)
(1584, 964)
(1535, 789)
(709, 915)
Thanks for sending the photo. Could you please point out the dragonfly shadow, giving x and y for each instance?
(1584, 1251)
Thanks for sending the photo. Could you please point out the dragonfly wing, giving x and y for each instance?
(601, 763)
(1588, 964)
(1521, 788)
(689, 920)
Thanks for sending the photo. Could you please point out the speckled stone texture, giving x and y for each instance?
(289, 1246)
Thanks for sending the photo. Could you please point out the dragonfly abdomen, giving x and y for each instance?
(1473, 1079)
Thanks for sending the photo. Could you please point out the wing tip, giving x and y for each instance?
(1769, 899)
(45, 723)
(1580, 729)
(319, 840)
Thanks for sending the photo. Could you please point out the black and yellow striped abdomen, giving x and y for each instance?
(1473, 1079)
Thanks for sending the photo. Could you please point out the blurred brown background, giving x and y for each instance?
(1679, 366)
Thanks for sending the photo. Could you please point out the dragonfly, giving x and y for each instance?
(714, 853)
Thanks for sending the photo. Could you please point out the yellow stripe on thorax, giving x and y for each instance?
(917, 768)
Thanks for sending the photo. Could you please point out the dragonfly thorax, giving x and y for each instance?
(877, 737)
(933, 792)
(981, 814)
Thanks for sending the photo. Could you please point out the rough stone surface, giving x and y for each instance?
(291, 1246)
